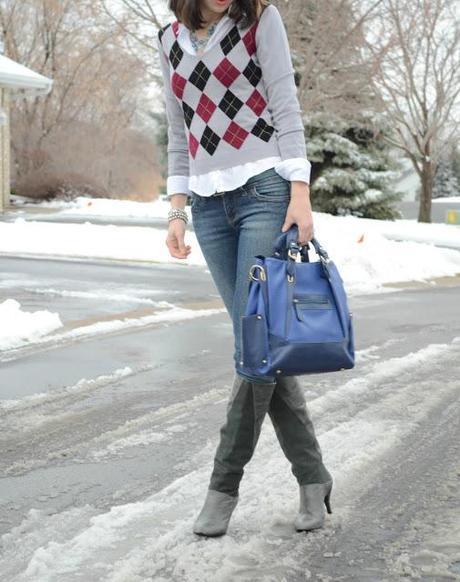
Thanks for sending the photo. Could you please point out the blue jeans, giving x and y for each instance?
(233, 227)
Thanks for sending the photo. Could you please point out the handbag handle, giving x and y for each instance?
(288, 240)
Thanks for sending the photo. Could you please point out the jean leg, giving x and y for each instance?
(260, 215)
(296, 435)
(218, 241)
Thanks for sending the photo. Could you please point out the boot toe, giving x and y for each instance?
(215, 515)
(307, 522)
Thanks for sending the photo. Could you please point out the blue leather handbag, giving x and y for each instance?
(297, 319)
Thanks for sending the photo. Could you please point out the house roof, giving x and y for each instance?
(20, 78)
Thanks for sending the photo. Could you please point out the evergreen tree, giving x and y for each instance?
(352, 171)
(445, 181)
(456, 162)
(161, 140)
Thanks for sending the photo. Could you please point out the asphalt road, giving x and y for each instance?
(112, 417)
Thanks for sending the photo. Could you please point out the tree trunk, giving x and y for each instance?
(424, 212)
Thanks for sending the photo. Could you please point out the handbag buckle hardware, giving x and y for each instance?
(261, 277)
(293, 250)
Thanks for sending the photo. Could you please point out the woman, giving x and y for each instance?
(236, 145)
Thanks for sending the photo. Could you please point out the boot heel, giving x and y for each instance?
(328, 502)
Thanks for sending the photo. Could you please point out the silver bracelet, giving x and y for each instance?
(177, 213)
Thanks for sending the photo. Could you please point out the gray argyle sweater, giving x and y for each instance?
(233, 104)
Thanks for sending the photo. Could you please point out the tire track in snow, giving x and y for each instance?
(358, 428)
(35, 429)
(45, 435)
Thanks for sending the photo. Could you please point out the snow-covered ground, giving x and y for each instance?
(360, 421)
(446, 200)
(367, 259)
(361, 248)
(386, 428)
(82, 205)
(19, 327)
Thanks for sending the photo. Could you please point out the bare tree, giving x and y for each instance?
(416, 52)
(136, 18)
(327, 41)
(46, 50)
(97, 80)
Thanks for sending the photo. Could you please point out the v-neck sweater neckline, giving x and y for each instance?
(183, 35)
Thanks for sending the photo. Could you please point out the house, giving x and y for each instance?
(16, 81)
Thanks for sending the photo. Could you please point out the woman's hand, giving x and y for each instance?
(175, 239)
(299, 212)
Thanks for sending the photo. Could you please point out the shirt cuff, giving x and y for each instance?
(177, 185)
(294, 169)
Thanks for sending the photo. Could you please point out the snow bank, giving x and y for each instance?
(82, 205)
(366, 258)
(92, 241)
(18, 327)
(446, 200)
(447, 235)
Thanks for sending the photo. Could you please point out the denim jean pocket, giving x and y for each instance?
(272, 189)
(194, 200)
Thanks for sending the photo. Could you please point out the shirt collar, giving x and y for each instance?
(225, 18)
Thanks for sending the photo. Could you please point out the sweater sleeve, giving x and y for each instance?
(178, 161)
(274, 57)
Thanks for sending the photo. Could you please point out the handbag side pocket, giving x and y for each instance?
(254, 343)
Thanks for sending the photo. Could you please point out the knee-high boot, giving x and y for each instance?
(246, 409)
(295, 431)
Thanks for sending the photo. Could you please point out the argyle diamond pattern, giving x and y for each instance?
(200, 76)
(256, 102)
(231, 76)
(230, 104)
(188, 114)
(209, 140)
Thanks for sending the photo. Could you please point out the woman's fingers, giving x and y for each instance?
(296, 214)
(305, 232)
(175, 240)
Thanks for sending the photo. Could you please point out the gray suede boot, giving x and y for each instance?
(311, 511)
(215, 514)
